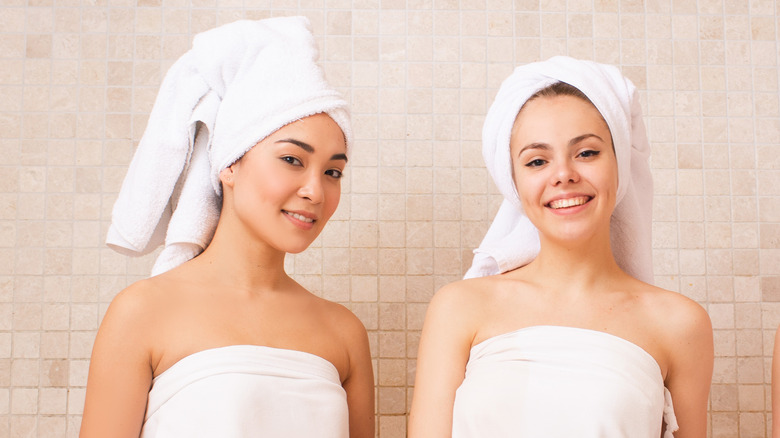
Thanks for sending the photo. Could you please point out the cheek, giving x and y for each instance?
(610, 179)
(261, 187)
(332, 198)
(528, 200)
(528, 187)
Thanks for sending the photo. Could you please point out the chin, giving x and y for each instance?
(296, 246)
(576, 235)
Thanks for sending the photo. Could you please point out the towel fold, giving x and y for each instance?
(512, 241)
(238, 84)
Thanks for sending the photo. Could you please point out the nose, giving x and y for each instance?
(311, 188)
(565, 172)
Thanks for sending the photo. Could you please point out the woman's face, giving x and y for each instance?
(288, 185)
(564, 167)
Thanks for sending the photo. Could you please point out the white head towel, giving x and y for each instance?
(512, 241)
(238, 84)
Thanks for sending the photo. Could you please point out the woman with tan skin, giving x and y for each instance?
(564, 340)
(226, 343)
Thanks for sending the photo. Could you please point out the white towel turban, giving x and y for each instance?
(512, 241)
(238, 84)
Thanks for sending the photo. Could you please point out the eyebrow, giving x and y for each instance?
(308, 148)
(572, 142)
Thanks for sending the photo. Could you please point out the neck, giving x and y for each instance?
(241, 262)
(576, 268)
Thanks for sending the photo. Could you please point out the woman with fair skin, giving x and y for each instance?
(227, 344)
(567, 343)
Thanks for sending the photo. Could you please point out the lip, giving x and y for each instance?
(576, 197)
(302, 224)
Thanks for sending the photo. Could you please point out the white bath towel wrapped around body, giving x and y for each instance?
(561, 382)
(244, 391)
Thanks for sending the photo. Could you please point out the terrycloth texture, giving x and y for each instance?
(238, 84)
(561, 382)
(247, 391)
(512, 241)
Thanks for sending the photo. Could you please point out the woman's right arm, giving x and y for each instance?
(445, 343)
(120, 372)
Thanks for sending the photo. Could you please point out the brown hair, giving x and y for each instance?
(560, 89)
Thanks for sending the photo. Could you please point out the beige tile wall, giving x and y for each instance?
(78, 78)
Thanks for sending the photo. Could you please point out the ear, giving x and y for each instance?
(226, 176)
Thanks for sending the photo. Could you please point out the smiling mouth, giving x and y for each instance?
(568, 202)
(298, 216)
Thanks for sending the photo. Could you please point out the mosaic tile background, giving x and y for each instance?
(78, 79)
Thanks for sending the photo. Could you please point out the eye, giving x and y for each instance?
(292, 161)
(334, 173)
(535, 163)
(589, 153)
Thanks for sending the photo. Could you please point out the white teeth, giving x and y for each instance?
(570, 202)
(299, 217)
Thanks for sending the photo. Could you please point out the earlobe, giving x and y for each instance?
(226, 176)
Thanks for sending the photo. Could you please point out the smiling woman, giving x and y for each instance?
(221, 341)
(559, 335)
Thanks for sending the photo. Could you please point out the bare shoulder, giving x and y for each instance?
(683, 324)
(345, 323)
(676, 309)
(136, 312)
(135, 304)
(466, 296)
(461, 307)
(126, 335)
(451, 302)
(479, 297)
(344, 341)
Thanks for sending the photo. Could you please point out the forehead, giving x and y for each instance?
(320, 134)
(319, 131)
(547, 115)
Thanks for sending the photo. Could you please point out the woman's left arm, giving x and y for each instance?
(689, 375)
(359, 384)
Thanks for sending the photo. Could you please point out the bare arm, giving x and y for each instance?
(359, 385)
(441, 364)
(690, 371)
(120, 373)
(776, 387)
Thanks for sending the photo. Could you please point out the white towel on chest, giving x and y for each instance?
(512, 241)
(561, 382)
(247, 391)
(238, 84)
